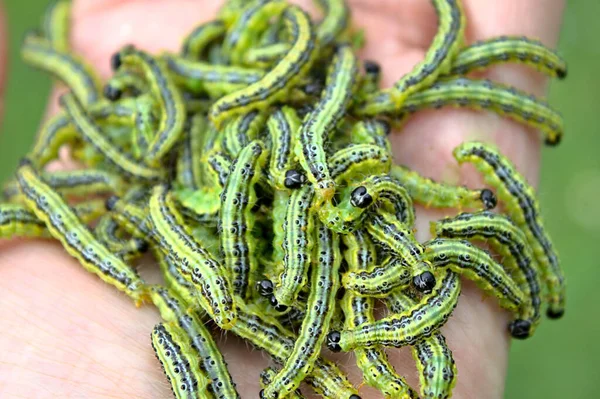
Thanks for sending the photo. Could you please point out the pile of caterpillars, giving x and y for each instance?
(256, 169)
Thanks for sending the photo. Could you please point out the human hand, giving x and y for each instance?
(65, 333)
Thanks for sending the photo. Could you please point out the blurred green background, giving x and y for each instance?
(562, 359)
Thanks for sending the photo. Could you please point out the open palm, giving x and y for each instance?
(64, 333)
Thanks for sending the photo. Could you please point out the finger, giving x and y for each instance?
(397, 35)
(100, 28)
(3, 56)
(537, 19)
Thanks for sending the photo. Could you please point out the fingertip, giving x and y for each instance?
(532, 19)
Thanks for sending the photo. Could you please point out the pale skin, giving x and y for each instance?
(64, 333)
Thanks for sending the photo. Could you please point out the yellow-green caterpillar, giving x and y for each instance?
(522, 206)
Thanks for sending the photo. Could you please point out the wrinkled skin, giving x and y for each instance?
(64, 333)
